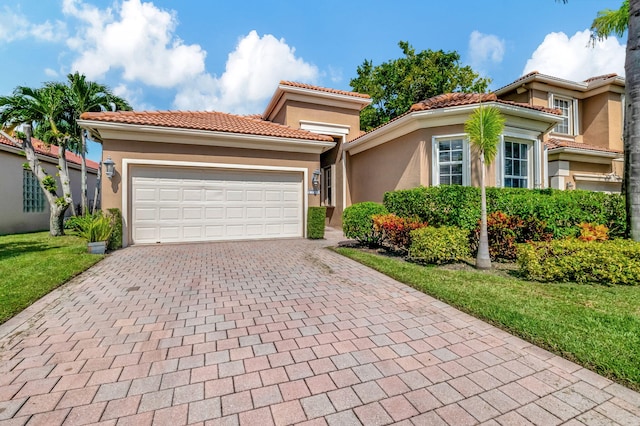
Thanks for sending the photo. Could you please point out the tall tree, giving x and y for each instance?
(484, 127)
(397, 84)
(88, 96)
(607, 23)
(44, 110)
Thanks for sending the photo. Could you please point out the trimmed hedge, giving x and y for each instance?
(605, 262)
(315, 222)
(439, 245)
(115, 242)
(562, 211)
(357, 222)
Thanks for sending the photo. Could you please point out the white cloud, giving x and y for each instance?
(14, 26)
(133, 96)
(485, 49)
(252, 73)
(50, 72)
(137, 39)
(573, 58)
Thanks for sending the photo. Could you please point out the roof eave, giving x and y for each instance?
(148, 133)
(354, 102)
(445, 116)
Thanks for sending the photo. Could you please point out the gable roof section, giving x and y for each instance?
(323, 89)
(458, 99)
(50, 151)
(554, 143)
(581, 86)
(204, 120)
(454, 108)
(292, 91)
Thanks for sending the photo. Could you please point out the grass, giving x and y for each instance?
(31, 265)
(595, 326)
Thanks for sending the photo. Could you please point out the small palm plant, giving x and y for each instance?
(484, 127)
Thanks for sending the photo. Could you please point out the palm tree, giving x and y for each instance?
(43, 110)
(88, 96)
(607, 23)
(484, 127)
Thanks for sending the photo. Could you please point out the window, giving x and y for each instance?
(32, 195)
(327, 186)
(451, 162)
(516, 165)
(568, 107)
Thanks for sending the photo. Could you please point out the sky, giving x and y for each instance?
(230, 55)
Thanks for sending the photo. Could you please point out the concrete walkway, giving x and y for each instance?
(276, 332)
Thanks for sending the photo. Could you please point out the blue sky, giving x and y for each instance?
(229, 56)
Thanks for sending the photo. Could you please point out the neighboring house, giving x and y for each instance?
(205, 176)
(24, 207)
(585, 150)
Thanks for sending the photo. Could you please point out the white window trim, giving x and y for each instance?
(466, 158)
(533, 162)
(574, 124)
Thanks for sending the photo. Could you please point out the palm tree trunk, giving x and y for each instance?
(83, 173)
(483, 259)
(632, 123)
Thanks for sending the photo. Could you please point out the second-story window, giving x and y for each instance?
(567, 107)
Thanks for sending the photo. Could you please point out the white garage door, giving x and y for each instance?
(183, 204)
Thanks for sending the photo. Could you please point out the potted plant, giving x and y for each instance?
(96, 230)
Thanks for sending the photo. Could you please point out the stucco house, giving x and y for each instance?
(24, 207)
(207, 176)
(585, 150)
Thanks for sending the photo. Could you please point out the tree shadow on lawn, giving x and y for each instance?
(14, 249)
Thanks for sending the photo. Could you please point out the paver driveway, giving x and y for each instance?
(276, 332)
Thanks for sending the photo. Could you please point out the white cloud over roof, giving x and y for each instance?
(138, 40)
(485, 49)
(574, 58)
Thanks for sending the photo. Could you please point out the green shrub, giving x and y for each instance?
(357, 222)
(115, 242)
(315, 222)
(96, 228)
(439, 245)
(561, 211)
(505, 232)
(606, 262)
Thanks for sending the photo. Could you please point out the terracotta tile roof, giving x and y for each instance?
(324, 89)
(458, 99)
(51, 151)
(554, 143)
(205, 120)
(601, 77)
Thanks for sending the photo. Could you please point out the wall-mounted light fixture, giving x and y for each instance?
(109, 167)
(570, 185)
(315, 181)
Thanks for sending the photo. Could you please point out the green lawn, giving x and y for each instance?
(31, 265)
(595, 326)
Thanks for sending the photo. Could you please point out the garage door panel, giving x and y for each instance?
(192, 213)
(174, 204)
(169, 194)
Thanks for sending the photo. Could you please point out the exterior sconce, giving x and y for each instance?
(570, 185)
(109, 167)
(315, 182)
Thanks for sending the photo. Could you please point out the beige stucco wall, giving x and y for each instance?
(119, 150)
(297, 111)
(594, 117)
(616, 126)
(397, 164)
(12, 218)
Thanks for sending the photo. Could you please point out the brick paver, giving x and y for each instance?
(276, 332)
